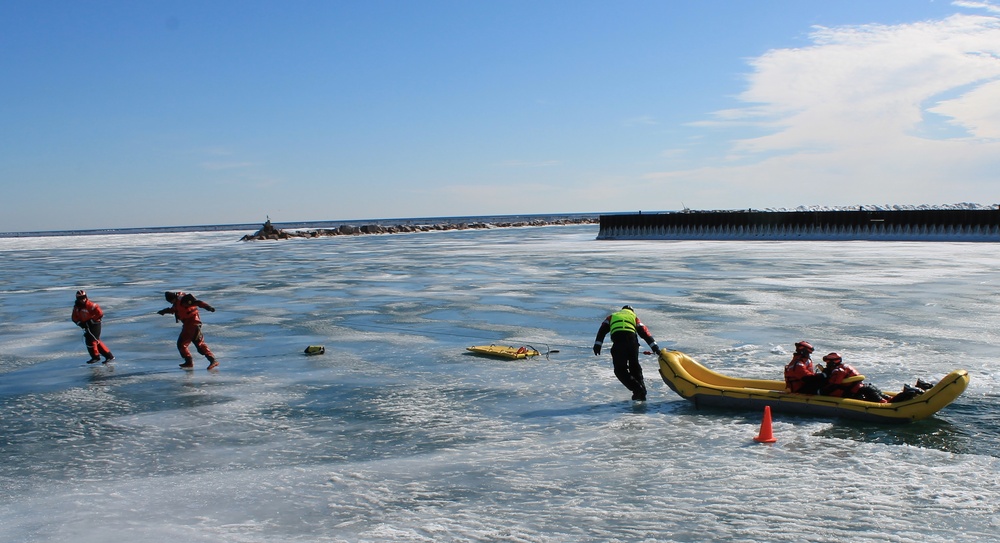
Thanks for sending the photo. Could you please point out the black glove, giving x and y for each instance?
(210, 308)
(597, 349)
(655, 348)
(162, 312)
(81, 324)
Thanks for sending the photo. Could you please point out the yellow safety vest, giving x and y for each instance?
(623, 321)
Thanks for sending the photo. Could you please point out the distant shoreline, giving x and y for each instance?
(471, 219)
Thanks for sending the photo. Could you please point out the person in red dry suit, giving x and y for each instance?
(800, 376)
(185, 309)
(88, 315)
(626, 329)
(842, 380)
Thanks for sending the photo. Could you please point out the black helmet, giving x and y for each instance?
(628, 307)
(170, 296)
(81, 294)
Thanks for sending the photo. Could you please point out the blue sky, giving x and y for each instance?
(159, 113)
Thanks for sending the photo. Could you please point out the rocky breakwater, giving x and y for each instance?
(268, 231)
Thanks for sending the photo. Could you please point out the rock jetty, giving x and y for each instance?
(268, 231)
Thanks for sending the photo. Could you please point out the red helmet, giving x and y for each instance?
(832, 358)
(804, 347)
(80, 294)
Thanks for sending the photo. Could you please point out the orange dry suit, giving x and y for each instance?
(190, 319)
(801, 377)
(87, 315)
(843, 382)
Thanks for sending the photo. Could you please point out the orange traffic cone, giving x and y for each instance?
(765, 435)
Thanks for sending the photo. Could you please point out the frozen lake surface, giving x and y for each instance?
(398, 434)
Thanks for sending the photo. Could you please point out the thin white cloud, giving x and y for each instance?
(977, 111)
(214, 151)
(863, 84)
(905, 113)
(219, 166)
(529, 164)
(641, 120)
(977, 5)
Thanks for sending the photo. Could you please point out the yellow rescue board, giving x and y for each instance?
(514, 353)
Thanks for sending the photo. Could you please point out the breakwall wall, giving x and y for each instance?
(906, 225)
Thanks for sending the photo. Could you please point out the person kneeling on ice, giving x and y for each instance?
(800, 376)
(185, 309)
(626, 328)
(88, 315)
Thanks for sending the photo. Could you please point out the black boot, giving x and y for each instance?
(908, 393)
(639, 393)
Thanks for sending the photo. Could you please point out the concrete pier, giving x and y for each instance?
(982, 225)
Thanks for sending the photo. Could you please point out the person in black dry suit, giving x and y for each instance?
(626, 329)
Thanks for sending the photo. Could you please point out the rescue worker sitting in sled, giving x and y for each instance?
(800, 375)
(842, 380)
